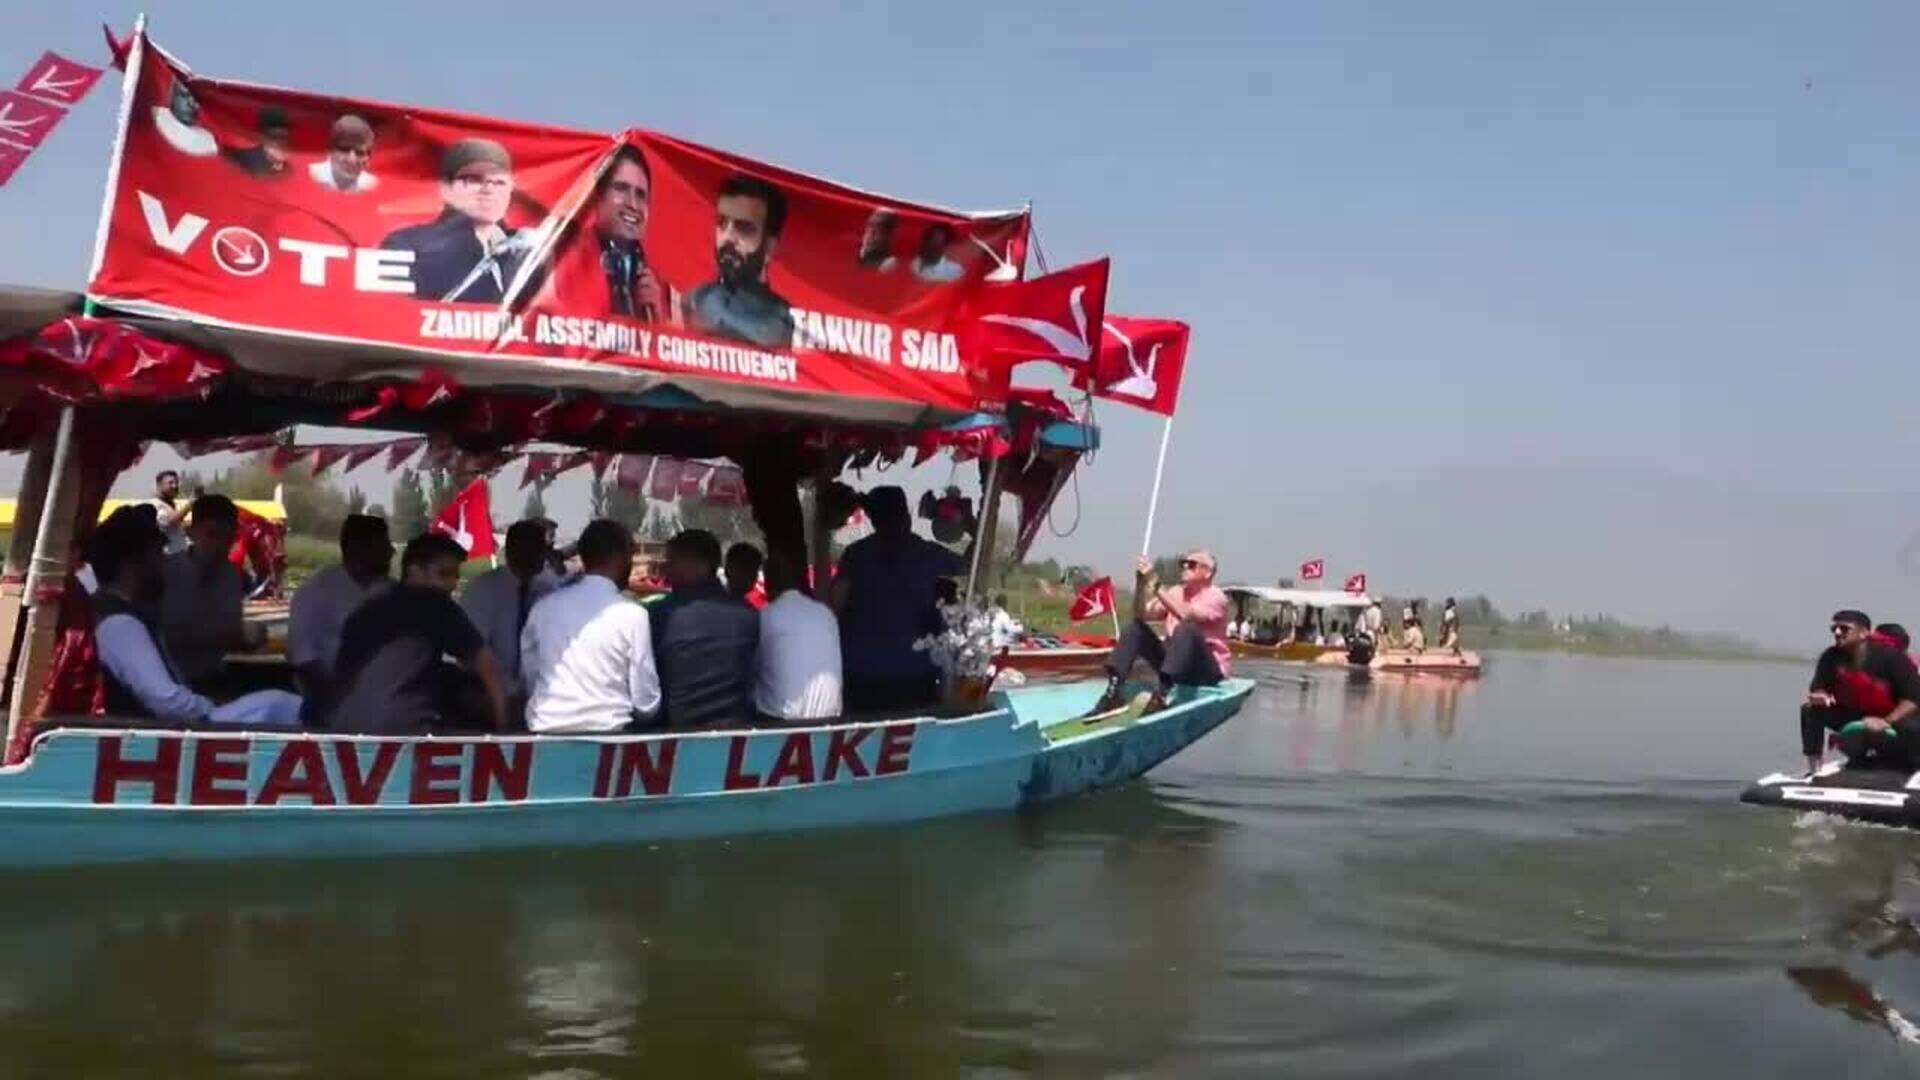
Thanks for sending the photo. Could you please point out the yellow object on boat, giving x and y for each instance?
(266, 508)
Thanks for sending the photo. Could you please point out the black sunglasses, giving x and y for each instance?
(1191, 564)
(1841, 629)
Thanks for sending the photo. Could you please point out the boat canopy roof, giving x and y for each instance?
(1313, 598)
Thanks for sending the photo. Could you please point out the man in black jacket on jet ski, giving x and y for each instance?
(1868, 690)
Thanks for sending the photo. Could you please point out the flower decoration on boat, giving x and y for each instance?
(963, 649)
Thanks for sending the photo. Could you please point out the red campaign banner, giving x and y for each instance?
(355, 220)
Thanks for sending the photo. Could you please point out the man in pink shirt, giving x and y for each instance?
(1193, 621)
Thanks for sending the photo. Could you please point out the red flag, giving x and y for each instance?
(1093, 601)
(693, 478)
(1055, 317)
(26, 122)
(1140, 362)
(399, 450)
(540, 466)
(283, 457)
(362, 454)
(11, 158)
(57, 79)
(1356, 584)
(469, 520)
(666, 479)
(1313, 570)
(117, 47)
(325, 456)
(631, 474)
(728, 486)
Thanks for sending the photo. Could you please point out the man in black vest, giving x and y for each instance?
(125, 553)
(704, 640)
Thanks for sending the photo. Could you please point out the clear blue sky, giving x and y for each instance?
(1573, 306)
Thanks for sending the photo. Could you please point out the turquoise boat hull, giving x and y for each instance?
(96, 795)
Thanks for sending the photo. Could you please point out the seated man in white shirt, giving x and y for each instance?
(500, 600)
(126, 553)
(797, 671)
(587, 650)
(321, 606)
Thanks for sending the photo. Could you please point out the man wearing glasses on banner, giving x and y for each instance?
(468, 254)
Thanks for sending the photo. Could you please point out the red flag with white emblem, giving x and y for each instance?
(1313, 570)
(1093, 601)
(57, 79)
(1140, 362)
(469, 520)
(1357, 584)
(1055, 317)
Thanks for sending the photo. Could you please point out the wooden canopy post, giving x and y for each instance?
(983, 534)
(46, 573)
(13, 576)
(819, 537)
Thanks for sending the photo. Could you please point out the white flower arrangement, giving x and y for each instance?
(965, 648)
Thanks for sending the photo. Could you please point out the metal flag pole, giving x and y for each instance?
(982, 533)
(1153, 501)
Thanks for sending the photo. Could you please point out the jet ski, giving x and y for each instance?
(1880, 795)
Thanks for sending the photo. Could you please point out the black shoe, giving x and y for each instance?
(1111, 701)
(1156, 703)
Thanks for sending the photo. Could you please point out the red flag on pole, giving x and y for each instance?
(57, 79)
(1313, 570)
(1140, 362)
(1357, 584)
(469, 520)
(1056, 317)
(1093, 601)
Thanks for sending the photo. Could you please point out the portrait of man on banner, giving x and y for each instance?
(469, 254)
(749, 215)
(601, 268)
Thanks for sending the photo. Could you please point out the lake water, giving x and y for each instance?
(1542, 873)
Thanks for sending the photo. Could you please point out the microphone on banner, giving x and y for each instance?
(520, 243)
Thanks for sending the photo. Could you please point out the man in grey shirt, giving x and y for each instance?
(200, 607)
(748, 218)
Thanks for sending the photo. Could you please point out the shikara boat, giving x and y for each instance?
(1049, 657)
(1288, 605)
(207, 320)
(104, 792)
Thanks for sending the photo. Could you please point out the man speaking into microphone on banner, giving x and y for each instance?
(602, 269)
(468, 254)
